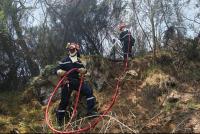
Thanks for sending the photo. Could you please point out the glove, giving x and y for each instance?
(82, 70)
(60, 72)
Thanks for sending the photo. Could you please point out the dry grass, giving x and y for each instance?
(143, 105)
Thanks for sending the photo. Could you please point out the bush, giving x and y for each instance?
(192, 52)
(164, 59)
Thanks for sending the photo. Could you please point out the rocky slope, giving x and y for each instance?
(154, 97)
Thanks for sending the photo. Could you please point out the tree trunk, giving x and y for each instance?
(153, 36)
(33, 67)
(152, 14)
(11, 80)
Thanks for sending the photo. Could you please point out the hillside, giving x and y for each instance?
(161, 96)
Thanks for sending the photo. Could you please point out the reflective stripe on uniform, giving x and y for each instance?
(90, 98)
(61, 111)
(65, 62)
(128, 34)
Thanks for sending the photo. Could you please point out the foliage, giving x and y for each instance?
(17, 63)
(193, 105)
(26, 48)
(2, 21)
(192, 51)
(1, 15)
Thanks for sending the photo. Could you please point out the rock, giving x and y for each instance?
(45, 93)
(99, 80)
(48, 70)
(53, 79)
(38, 81)
(174, 97)
(43, 85)
(98, 69)
(132, 72)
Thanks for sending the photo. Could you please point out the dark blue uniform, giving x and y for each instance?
(127, 41)
(74, 82)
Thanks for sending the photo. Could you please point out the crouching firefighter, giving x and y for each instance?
(70, 62)
(127, 41)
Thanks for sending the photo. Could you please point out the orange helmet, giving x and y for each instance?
(121, 26)
(72, 46)
(77, 46)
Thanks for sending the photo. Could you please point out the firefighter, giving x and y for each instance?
(68, 63)
(127, 41)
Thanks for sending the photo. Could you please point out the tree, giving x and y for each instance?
(86, 22)
(10, 7)
(17, 64)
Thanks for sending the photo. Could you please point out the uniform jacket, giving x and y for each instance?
(66, 64)
(124, 38)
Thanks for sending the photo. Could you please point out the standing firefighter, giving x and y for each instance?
(70, 62)
(127, 41)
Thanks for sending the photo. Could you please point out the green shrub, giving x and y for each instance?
(192, 52)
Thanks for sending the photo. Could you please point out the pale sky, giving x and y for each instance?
(37, 16)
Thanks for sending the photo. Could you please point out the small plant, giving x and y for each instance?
(151, 70)
(193, 105)
(164, 59)
(170, 106)
(3, 122)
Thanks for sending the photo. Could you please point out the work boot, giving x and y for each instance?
(93, 114)
(60, 114)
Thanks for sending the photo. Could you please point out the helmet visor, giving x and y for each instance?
(72, 50)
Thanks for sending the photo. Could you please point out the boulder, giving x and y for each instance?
(98, 70)
(43, 85)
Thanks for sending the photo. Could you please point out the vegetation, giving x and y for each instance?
(163, 96)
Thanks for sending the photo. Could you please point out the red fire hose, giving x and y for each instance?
(95, 121)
